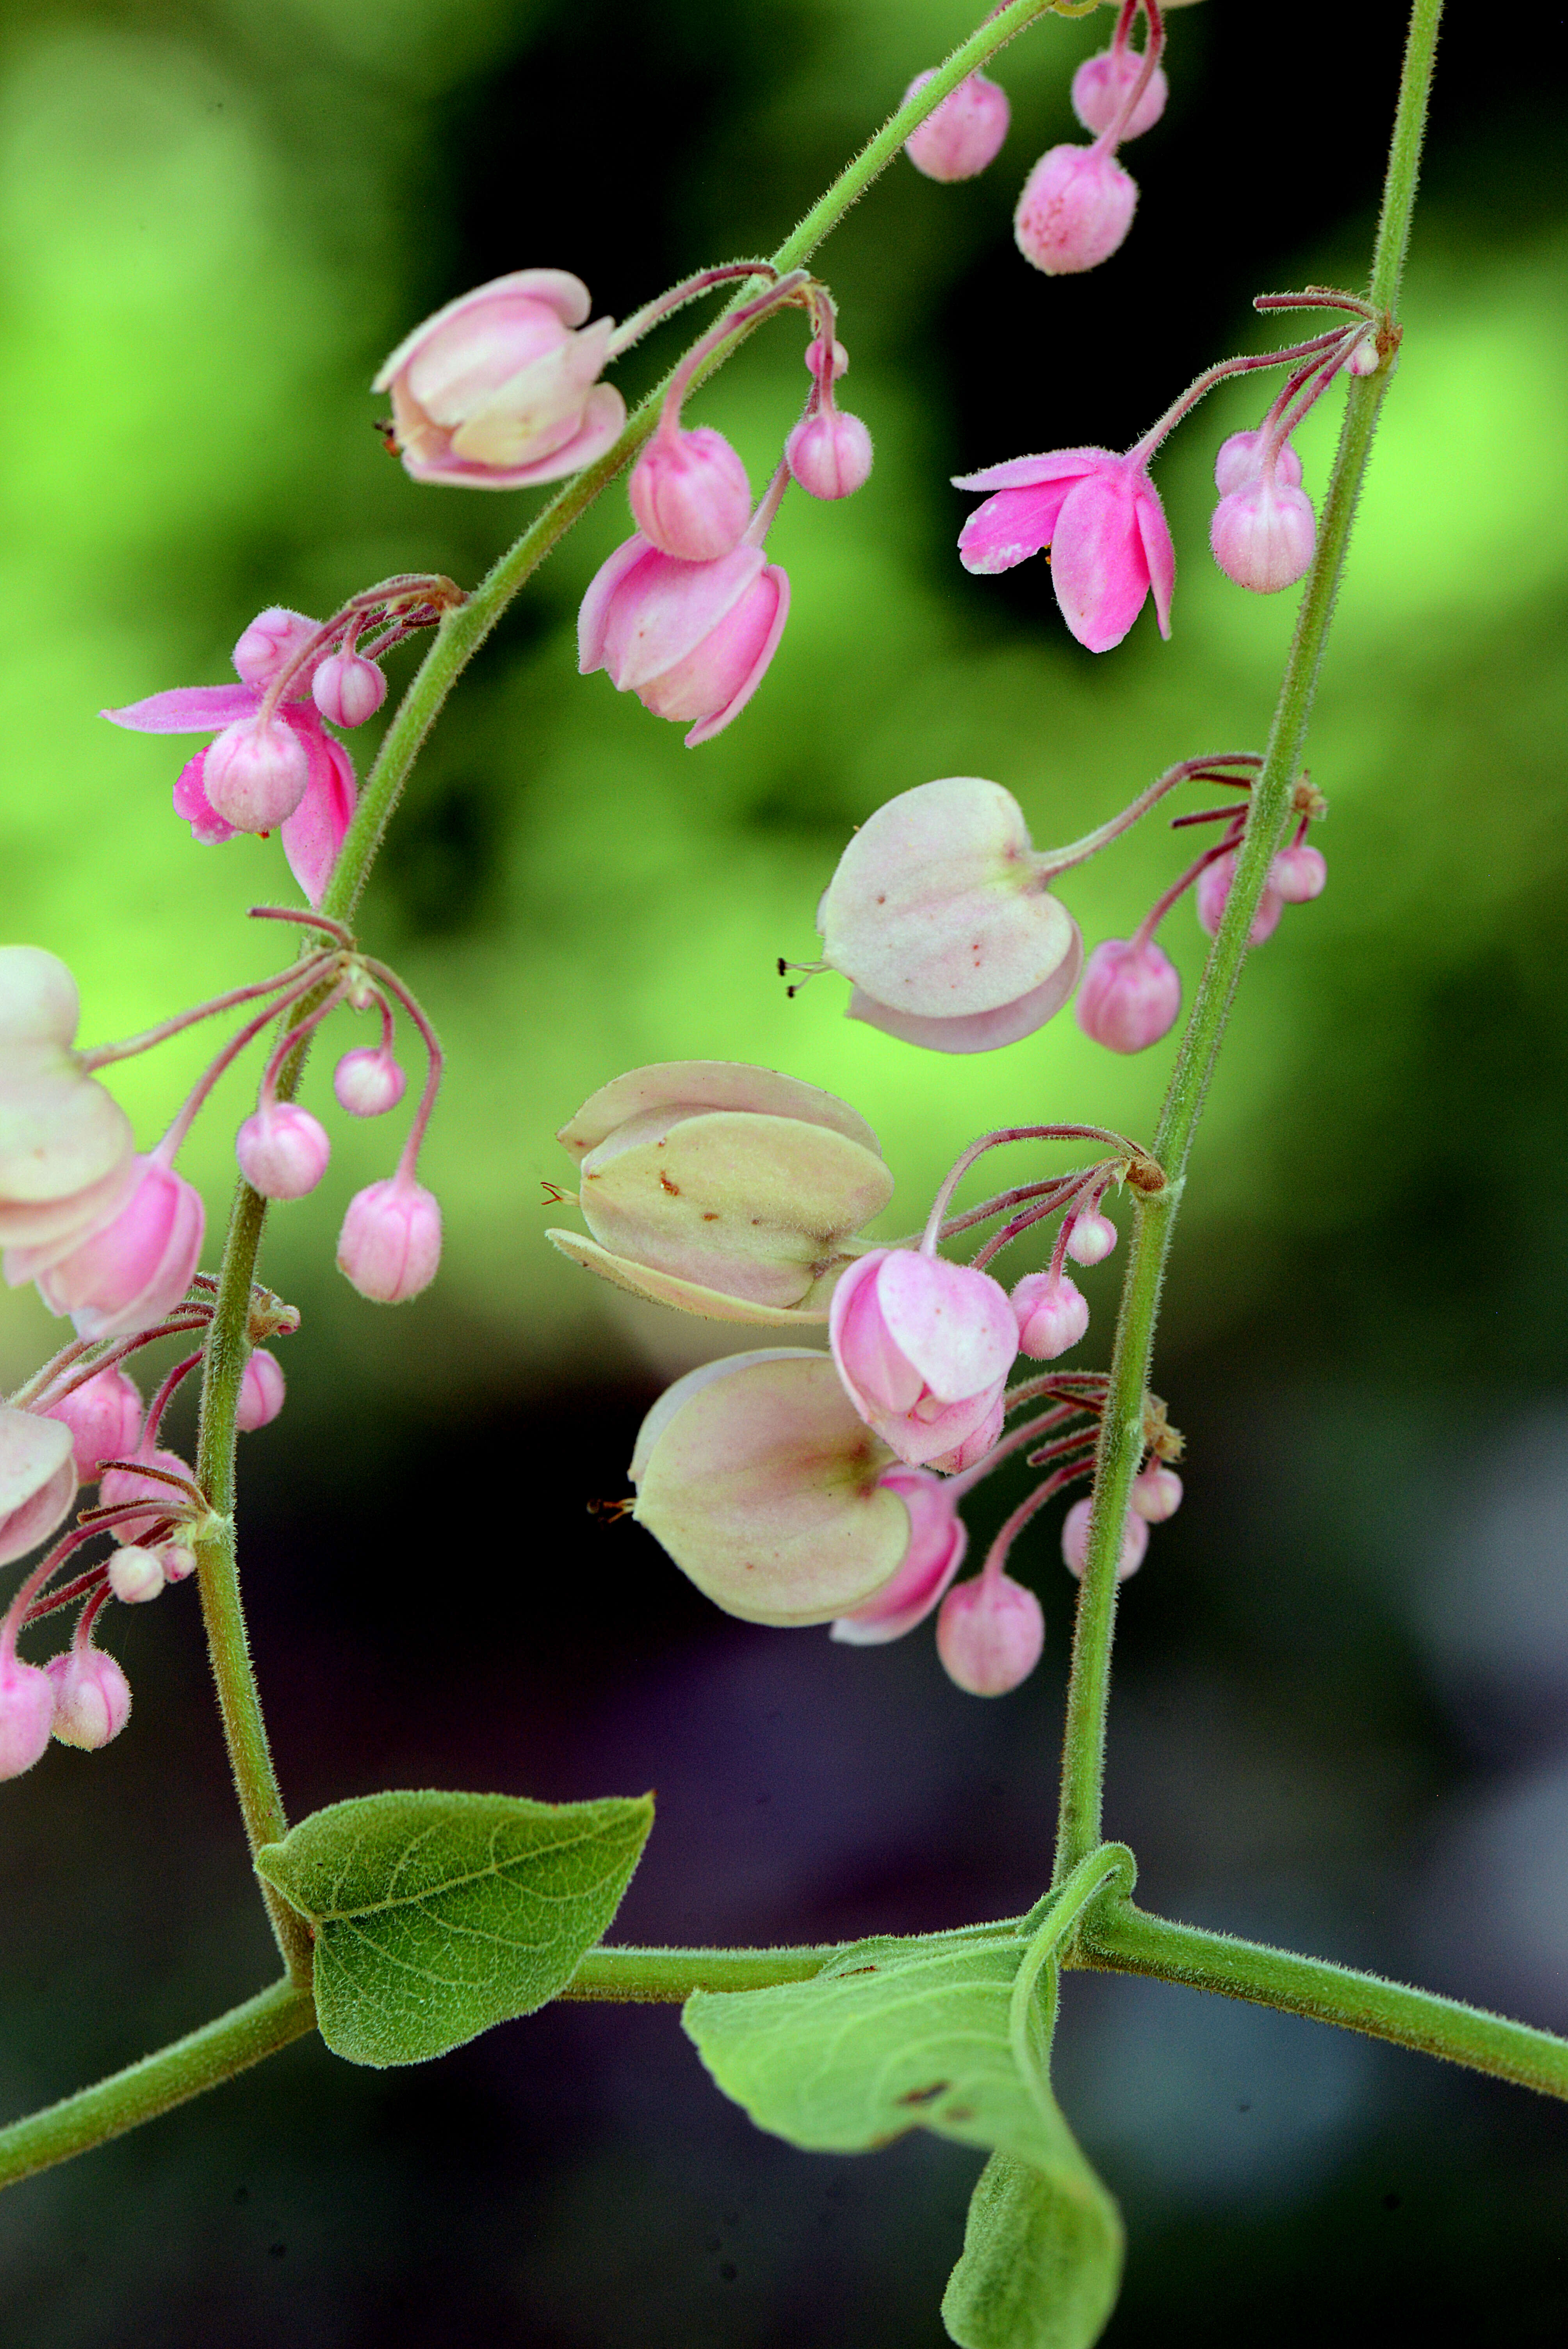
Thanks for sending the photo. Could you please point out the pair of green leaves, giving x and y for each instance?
(437, 1915)
(952, 2034)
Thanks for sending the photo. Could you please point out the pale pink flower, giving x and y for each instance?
(347, 688)
(1299, 873)
(92, 1697)
(691, 640)
(1090, 1237)
(125, 1275)
(369, 1082)
(501, 388)
(27, 1714)
(255, 774)
(104, 1415)
(390, 1245)
(262, 1391)
(136, 1575)
(1131, 995)
(118, 1487)
(937, 1541)
(1101, 517)
(1262, 534)
(1214, 887)
(1075, 1541)
(924, 1348)
(1241, 459)
(990, 1634)
(689, 494)
(959, 137)
(1156, 1493)
(282, 1151)
(829, 454)
(1052, 1314)
(1076, 210)
(1103, 81)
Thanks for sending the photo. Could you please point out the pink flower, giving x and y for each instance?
(689, 494)
(1299, 873)
(104, 1415)
(959, 137)
(313, 831)
(282, 1150)
(1262, 534)
(1075, 1540)
(119, 1486)
(924, 1348)
(91, 1697)
(369, 1082)
(691, 640)
(27, 1714)
(1102, 82)
(937, 1542)
(829, 454)
(1101, 517)
(1214, 887)
(127, 1272)
(1076, 210)
(990, 1634)
(1239, 460)
(1052, 1314)
(1131, 995)
(262, 1391)
(500, 388)
(347, 688)
(1156, 1493)
(390, 1245)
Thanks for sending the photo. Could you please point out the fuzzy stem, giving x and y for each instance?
(1060, 860)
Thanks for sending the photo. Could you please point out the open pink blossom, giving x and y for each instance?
(691, 640)
(937, 1541)
(990, 1634)
(959, 137)
(1130, 993)
(924, 1348)
(1101, 517)
(125, 1275)
(312, 831)
(501, 388)
(66, 1151)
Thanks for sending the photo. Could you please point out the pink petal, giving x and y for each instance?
(709, 727)
(187, 709)
(592, 619)
(954, 1325)
(664, 613)
(1157, 551)
(1028, 472)
(313, 835)
(192, 804)
(565, 294)
(1098, 567)
(604, 419)
(976, 1031)
(1011, 526)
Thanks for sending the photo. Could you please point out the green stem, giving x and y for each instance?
(1121, 1938)
(201, 2060)
(1083, 1758)
(669, 1977)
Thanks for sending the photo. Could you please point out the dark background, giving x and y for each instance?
(1340, 1711)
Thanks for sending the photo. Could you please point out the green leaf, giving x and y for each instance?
(1041, 2262)
(437, 1915)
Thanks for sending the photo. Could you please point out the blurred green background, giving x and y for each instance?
(1341, 1716)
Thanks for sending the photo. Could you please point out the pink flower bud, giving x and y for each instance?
(989, 1634)
(262, 1391)
(347, 688)
(500, 388)
(136, 1575)
(959, 137)
(1214, 887)
(924, 1348)
(690, 497)
(1076, 208)
(125, 1276)
(1239, 460)
(939, 916)
(38, 1480)
(178, 1561)
(254, 775)
(937, 1542)
(1262, 535)
(369, 1082)
(829, 454)
(1156, 1493)
(282, 1150)
(691, 640)
(1090, 1238)
(1052, 1315)
(763, 1483)
(271, 640)
(1299, 873)
(1365, 358)
(104, 1415)
(1075, 1541)
(119, 1486)
(390, 1244)
(26, 1715)
(91, 1697)
(814, 357)
(1102, 82)
(1129, 996)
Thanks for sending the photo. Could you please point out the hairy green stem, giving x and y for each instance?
(234, 2041)
(630, 1976)
(1083, 1756)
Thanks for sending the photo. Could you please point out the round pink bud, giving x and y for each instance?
(830, 453)
(690, 495)
(1239, 460)
(1075, 1541)
(26, 1715)
(274, 637)
(349, 689)
(959, 137)
(1129, 996)
(1076, 208)
(1262, 535)
(178, 1561)
(104, 1415)
(92, 1698)
(119, 1486)
(262, 1391)
(1052, 1315)
(1214, 887)
(1365, 358)
(1102, 82)
(390, 1244)
(1157, 1492)
(254, 775)
(814, 357)
(369, 1082)
(1091, 1237)
(136, 1575)
(989, 1634)
(1299, 873)
(282, 1150)
(937, 1541)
